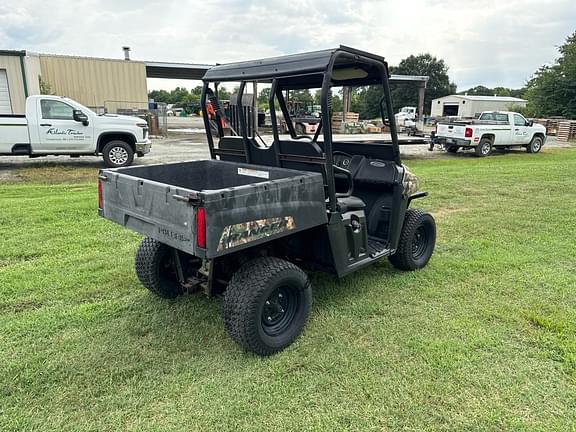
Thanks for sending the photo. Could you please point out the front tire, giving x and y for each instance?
(117, 154)
(417, 241)
(266, 305)
(535, 145)
(484, 147)
(155, 269)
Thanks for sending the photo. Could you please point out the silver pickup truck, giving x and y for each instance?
(492, 129)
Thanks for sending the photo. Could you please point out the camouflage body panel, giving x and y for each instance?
(410, 182)
(246, 232)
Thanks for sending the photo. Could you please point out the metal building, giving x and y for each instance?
(470, 106)
(101, 84)
(19, 73)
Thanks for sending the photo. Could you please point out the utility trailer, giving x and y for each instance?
(248, 222)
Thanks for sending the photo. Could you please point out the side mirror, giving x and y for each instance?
(530, 123)
(80, 117)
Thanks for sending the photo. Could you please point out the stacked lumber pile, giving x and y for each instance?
(338, 120)
(551, 125)
(566, 131)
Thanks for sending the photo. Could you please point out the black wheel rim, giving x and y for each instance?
(420, 242)
(279, 310)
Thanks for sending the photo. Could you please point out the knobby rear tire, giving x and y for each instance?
(245, 304)
(155, 270)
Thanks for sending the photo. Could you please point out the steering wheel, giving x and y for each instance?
(344, 171)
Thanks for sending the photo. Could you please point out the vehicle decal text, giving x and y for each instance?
(172, 235)
(56, 131)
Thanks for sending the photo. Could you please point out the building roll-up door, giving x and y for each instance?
(5, 106)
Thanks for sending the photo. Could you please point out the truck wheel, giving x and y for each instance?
(117, 154)
(484, 147)
(452, 149)
(266, 305)
(417, 241)
(155, 269)
(535, 145)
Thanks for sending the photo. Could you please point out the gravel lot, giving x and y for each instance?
(187, 141)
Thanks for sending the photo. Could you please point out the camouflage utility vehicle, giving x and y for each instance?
(245, 223)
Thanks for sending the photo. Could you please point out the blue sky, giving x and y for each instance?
(493, 43)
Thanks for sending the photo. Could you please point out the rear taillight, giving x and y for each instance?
(468, 133)
(100, 198)
(201, 227)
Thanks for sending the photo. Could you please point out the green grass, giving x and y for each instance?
(484, 338)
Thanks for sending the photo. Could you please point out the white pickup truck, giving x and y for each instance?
(55, 125)
(492, 129)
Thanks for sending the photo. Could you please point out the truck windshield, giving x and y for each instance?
(494, 116)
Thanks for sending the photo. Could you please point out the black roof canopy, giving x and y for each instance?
(302, 70)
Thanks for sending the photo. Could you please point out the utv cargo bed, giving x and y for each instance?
(208, 208)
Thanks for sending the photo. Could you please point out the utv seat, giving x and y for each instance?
(350, 203)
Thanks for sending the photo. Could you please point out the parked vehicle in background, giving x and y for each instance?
(305, 119)
(405, 113)
(55, 125)
(502, 129)
(175, 112)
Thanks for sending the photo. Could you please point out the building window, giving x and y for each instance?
(56, 110)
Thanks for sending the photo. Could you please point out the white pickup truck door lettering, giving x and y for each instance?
(520, 132)
(58, 132)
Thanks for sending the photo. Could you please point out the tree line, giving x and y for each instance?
(551, 91)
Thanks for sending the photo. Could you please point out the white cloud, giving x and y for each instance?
(489, 42)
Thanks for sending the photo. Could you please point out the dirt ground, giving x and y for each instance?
(187, 141)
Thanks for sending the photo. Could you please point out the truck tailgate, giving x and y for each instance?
(448, 130)
(149, 208)
(242, 204)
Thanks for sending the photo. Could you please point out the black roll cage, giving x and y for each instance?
(357, 57)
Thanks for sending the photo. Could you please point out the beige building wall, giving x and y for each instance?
(33, 72)
(97, 83)
(15, 82)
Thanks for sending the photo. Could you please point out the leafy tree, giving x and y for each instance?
(159, 96)
(496, 91)
(223, 94)
(368, 105)
(439, 83)
(263, 98)
(552, 89)
(479, 91)
(45, 87)
(303, 96)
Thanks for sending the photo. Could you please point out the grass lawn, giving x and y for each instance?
(484, 338)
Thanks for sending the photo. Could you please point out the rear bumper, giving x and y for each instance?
(454, 141)
(143, 147)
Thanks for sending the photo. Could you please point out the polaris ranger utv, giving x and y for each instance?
(245, 223)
